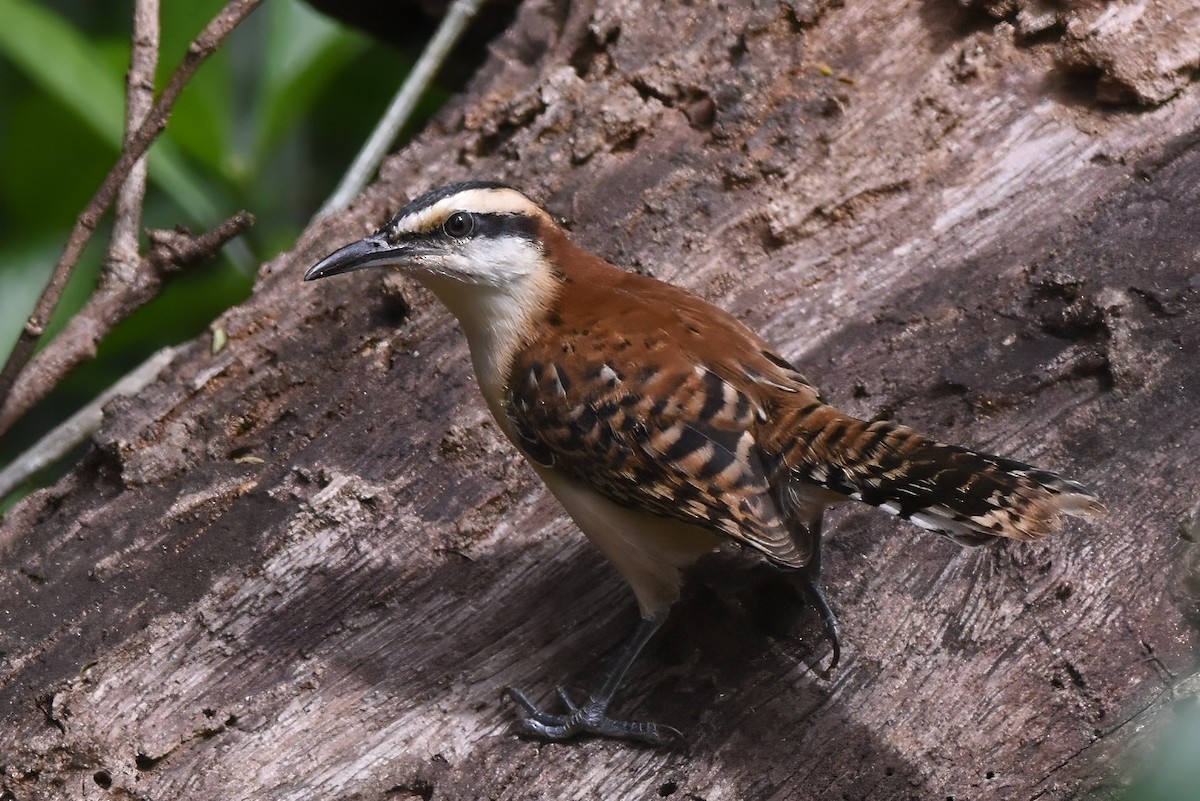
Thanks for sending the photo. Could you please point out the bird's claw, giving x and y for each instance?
(566, 700)
(810, 585)
(587, 719)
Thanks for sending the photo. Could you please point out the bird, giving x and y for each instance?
(665, 427)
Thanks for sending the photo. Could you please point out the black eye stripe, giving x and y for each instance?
(484, 224)
(495, 225)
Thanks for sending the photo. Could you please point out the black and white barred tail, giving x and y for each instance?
(968, 496)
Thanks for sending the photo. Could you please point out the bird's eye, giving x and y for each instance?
(458, 225)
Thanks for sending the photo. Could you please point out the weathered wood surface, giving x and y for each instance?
(928, 212)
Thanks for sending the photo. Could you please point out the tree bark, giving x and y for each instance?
(305, 566)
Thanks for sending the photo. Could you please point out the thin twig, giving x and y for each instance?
(122, 259)
(457, 18)
(198, 52)
(174, 250)
(170, 252)
(79, 426)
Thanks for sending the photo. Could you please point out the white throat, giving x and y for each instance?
(496, 319)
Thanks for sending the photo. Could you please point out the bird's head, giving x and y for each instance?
(475, 233)
(482, 248)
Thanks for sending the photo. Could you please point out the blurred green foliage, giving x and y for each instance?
(1171, 771)
(268, 125)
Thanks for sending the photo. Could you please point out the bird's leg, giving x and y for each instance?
(810, 584)
(591, 717)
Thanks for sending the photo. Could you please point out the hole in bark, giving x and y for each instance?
(419, 788)
(45, 703)
(145, 761)
(1065, 309)
(667, 788)
(700, 109)
(1076, 676)
(738, 50)
(33, 577)
(991, 774)
(626, 143)
(103, 779)
(394, 308)
(592, 53)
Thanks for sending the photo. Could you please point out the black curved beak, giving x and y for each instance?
(372, 251)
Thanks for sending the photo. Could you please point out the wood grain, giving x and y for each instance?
(931, 214)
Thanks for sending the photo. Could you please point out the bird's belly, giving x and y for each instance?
(649, 551)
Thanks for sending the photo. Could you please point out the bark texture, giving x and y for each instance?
(305, 566)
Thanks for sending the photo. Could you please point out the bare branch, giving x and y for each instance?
(122, 257)
(198, 52)
(170, 252)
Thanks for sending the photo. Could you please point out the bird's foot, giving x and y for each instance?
(588, 719)
(829, 623)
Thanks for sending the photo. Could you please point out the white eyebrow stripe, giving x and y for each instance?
(481, 201)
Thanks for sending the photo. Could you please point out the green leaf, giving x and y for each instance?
(77, 75)
(81, 78)
(24, 276)
(304, 53)
(202, 122)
